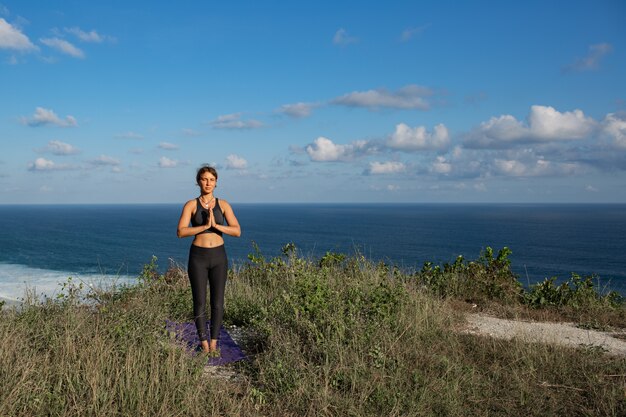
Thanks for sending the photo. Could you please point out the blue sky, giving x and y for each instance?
(352, 101)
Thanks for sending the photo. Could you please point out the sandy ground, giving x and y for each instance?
(566, 334)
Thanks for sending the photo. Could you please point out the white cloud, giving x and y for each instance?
(57, 147)
(129, 135)
(415, 139)
(389, 167)
(591, 189)
(392, 187)
(324, 150)
(481, 187)
(544, 124)
(298, 110)
(441, 166)
(105, 160)
(548, 124)
(42, 164)
(168, 146)
(342, 38)
(233, 121)
(592, 60)
(236, 162)
(538, 168)
(407, 97)
(44, 117)
(410, 33)
(190, 132)
(91, 36)
(63, 46)
(614, 125)
(12, 38)
(168, 163)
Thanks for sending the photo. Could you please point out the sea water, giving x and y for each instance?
(42, 245)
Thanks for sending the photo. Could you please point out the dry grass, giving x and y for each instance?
(344, 338)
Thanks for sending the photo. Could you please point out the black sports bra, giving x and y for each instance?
(202, 215)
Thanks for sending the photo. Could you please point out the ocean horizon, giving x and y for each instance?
(42, 245)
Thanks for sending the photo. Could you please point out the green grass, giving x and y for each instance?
(334, 336)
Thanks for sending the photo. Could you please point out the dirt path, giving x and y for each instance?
(557, 333)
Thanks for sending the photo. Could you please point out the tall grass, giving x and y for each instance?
(334, 336)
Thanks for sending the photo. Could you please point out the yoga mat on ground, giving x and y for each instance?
(186, 333)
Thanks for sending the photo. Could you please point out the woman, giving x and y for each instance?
(210, 217)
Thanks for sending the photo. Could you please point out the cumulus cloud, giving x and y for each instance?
(537, 168)
(342, 38)
(389, 167)
(592, 60)
(415, 139)
(165, 162)
(441, 166)
(91, 36)
(324, 150)
(236, 162)
(168, 146)
(105, 160)
(298, 110)
(407, 97)
(12, 38)
(614, 126)
(545, 124)
(44, 117)
(57, 147)
(63, 46)
(234, 121)
(42, 164)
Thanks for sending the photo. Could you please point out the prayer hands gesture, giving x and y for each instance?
(211, 220)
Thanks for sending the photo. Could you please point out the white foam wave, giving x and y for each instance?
(16, 279)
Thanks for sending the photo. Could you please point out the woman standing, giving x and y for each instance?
(209, 217)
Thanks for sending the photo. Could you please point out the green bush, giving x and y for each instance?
(577, 293)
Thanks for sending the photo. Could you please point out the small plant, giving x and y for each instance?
(577, 293)
(149, 273)
(256, 257)
(331, 259)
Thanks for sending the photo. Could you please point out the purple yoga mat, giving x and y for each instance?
(187, 334)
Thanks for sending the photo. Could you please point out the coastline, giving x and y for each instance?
(9, 302)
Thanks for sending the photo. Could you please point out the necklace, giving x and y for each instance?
(205, 205)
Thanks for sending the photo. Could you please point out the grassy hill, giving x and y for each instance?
(333, 336)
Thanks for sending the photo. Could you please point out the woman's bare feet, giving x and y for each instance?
(213, 346)
(205, 346)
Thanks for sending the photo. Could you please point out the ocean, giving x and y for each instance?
(42, 245)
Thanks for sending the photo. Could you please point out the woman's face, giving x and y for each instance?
(207, 182)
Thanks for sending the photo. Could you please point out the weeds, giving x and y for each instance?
(334, 336)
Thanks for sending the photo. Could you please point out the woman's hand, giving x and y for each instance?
(211, 220)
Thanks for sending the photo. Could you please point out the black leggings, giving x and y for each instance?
(208, 264)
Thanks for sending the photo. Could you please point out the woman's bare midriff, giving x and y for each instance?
(208, 240)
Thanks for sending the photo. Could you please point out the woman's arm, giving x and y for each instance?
(185, 218)
(233, 228)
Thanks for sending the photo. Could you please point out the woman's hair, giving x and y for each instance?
(204, 169)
